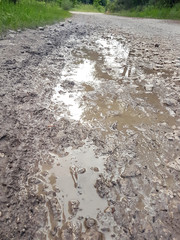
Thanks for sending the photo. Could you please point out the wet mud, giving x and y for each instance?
(89, 141)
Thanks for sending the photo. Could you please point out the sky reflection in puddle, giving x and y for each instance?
(86, 72)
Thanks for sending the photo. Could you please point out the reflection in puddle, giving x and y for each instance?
(84, 72)
(71, 102)
(115, 54)
(90, 72)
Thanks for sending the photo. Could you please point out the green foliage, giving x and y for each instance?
(97, 5)
(119, 5)
(66, 4)
(87, 8)
(153, 12)
(28, 13)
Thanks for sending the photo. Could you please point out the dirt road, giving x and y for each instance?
(89, 140)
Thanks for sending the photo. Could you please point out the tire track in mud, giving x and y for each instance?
(101, 108)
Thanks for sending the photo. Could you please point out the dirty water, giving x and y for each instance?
(97, 88)
(90, 99)
(73, 177)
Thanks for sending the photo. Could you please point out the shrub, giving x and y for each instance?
(66, 4)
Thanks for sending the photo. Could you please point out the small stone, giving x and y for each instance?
(169, 136)
(108, 210)
(49, 43)
(81, 170)
(149, 87)
(105, 229)
(11, 31)
(62, 24)
(0, 214)
(41, 28)
(175, 164)
(156, 45)
(170, 102)
(2, 155)
(90, 222)
(70, 21)
(11, 35)
(73, 206)
(96, 169)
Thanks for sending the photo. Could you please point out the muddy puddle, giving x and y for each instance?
(101, 89)
(73, 177)
(100, 85)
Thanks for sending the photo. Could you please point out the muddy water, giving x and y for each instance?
(73, 177)
(103, 90)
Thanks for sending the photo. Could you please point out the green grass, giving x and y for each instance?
(153, 12)
(29, 14)
(87, 8)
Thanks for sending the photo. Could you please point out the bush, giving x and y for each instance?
(66, 4)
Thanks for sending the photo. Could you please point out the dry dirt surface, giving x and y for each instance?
(89, 130)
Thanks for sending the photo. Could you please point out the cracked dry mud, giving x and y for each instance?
(89, 140)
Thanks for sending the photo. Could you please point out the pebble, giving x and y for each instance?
(96, 169)
(49, 43)
(149, 87)
(73, 206)
(156, 45)
(169, 136)
(175, 164)
(170, 102)
(90, 222)
(11, 31)
(41, 28)
(81, 170)
(2, 155)
(105, 229)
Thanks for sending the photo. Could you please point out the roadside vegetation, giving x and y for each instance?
(87, 5)
(20, 14)
(88, 8)
(29, 14)
(163, 9)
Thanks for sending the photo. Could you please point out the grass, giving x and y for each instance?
(153, 12)
(88, 8)
(29, 14)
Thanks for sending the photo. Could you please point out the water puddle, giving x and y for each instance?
(90, 70)
(97, 88)
(88, 73)
(73, 178)
(115, 55)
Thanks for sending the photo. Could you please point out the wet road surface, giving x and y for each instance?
(95, 128)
